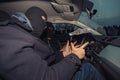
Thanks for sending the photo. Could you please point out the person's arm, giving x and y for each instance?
(55, 58)
(23, 63)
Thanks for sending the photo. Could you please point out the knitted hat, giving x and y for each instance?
(34, 14)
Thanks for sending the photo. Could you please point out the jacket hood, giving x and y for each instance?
(23, 19)
(20, 19)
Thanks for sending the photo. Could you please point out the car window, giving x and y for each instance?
(102, 12)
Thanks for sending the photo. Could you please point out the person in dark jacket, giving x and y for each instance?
(23, 56)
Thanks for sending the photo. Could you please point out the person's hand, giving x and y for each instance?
(66, 50)
(79, 50)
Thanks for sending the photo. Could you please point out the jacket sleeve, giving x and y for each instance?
(23, 63)
(55, 58)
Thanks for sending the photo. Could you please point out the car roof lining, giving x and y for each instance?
(22, 6)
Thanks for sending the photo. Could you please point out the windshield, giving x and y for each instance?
(102, 12)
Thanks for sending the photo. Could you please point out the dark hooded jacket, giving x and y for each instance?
(25, 57)
(4, 17)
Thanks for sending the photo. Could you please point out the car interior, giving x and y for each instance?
(82, 21)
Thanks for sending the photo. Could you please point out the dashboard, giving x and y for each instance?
(102, 50)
